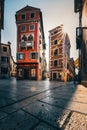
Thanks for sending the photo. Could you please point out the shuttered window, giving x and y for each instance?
(34, 55)
(20, 56)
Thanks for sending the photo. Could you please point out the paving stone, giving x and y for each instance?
(12, 108)
(76, 106)
(48, 113)
(67, 104)
(2, 114)
(77, 121)
(5, 101)
(18, 121)
(44, 126)
(10, 95)
(54, 101)
(76, 98)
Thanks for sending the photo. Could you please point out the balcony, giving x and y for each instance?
(26, 45)
(29, 44)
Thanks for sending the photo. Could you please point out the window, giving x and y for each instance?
(55, 63)
(54, 76)
(23, 16)
(20, 56)
(40, 29)
(44, 46)
(33, 55)
(55, 32)
(24, 38)
(4, 70)
(30, 38)
(31, 27)
(22, 45)
(23, 28)
(39, 41)
(59, 75)
(32, 15)
(4, 59)
(20, 72)
(40, 59)
(5, 49)
(55, 52)
(33, 72)
(55, 42)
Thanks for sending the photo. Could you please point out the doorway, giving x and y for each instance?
(26, 73)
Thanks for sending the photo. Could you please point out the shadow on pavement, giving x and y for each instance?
(34, 105)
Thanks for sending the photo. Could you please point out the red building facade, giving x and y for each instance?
(30, 44)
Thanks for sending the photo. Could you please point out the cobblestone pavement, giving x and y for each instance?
(76, 121)
(42, 105)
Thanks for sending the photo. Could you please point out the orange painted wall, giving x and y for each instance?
(35, 32)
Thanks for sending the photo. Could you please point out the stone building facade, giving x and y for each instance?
(5, 61)
(12, 67)
(59, 54)
(81, 8)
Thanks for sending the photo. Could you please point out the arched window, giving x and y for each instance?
(24, 38)
(30, 38)
(56, 52)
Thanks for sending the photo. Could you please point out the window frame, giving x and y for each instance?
(22, 16)
(5, 49)
(54, 75)
(32, 57)
(55, 42)
(55, 32)
(56, 54)
(30, 27)
(30, 37)
(4, 59)
(55, 63)
(24, 38)
(22, 28)
(19, 56)
(33, 72)
(32, 13)
(4, 70)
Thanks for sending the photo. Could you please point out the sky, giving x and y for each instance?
(55, 13)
